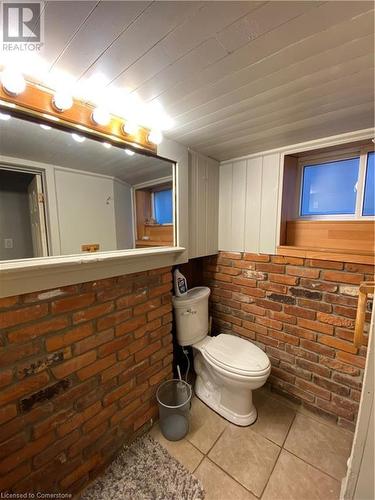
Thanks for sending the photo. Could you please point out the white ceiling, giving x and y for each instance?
(28, 141)
(236, 77)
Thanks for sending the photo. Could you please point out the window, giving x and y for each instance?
(336, 187)
(330, 188)
(163, 206)
(368, 204)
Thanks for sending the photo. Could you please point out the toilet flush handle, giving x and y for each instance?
(188, 311)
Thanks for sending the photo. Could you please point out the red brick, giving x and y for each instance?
(303, 272)
(28, 451)
(15, 476)
(283, 317)
(336, 365)
(315, 326)
(349, 381)
(269, 323)
(281, 259)
(268, 304)
(318, 348)
(76, 420)
(80, 471)
(93, 312)
(310, 387)
(299, 332)
(97, 367)
(130, 325)
(335, 409)
(6, 377)
(72, 303)
(7, 413)
(324, 264)
(331, 386)
(87, 439)
(351, 278)
(69, 337)
(300, 312)
(231, 255)
(314, 304)
(255, 257)
(359, 268)
(117, 369)
(273, 287)
(102, 416)
(160, 290)
(38, 329)
(74, 364)
(351, 359)
(271, 268)
(283, 337)
(159, 312)
(283, 279)
(335, 320)
(7, 302)
(147, 351)
(113, 319)
(323, 371)
(18, 316)
(93, 341)
(337, 344)
(321, 286)
(244, 332)
(26, 386)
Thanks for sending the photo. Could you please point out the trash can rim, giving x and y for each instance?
(173, 380)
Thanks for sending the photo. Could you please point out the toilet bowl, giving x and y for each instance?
(228, 368)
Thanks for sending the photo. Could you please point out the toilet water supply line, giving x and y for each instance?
(186, 352)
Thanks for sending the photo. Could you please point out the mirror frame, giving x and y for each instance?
(40, 273)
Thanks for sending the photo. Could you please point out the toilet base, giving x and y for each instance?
(210, 400)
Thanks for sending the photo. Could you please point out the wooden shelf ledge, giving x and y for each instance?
(326, 254)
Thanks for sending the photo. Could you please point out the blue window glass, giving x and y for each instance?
(163, 206)
(369, 204)
(330, 188)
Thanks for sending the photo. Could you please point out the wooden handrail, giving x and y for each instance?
(365, 289)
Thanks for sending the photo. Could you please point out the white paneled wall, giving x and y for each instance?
(249, 204)
(203, 205)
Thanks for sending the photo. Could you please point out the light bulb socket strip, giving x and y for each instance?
(60, 107)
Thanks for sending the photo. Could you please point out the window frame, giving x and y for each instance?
(332, 156)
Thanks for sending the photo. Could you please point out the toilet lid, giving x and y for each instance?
(236, 354)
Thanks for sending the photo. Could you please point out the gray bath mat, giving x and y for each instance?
(145, 471)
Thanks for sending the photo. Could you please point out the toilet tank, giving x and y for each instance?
(191, 315)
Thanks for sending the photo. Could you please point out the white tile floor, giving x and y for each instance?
(287, 454)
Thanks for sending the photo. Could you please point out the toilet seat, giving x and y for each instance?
(235, 355)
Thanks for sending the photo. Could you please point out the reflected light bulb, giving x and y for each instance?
(130, 128)
(107, 145)
(62, 101)
(100, 116)
(13, 82)
(129, 152)
(45, 127)
(78, 138)
(5, 117)
(155, 136)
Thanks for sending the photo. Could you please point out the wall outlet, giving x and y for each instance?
(8, 243)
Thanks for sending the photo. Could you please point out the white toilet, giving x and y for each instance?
(228, 368)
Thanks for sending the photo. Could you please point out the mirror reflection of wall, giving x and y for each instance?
(62, 193)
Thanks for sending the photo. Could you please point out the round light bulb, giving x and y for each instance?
(107, 145)
(45, 127)
(78, 138)
(155, 136)
(130, 128)
(62, 101)
(13, 82)
(100, 116)
(129, 152)
(5, 117)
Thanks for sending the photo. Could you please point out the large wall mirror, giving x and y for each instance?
(64, 193)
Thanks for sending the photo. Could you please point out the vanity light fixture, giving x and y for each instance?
(13, 82)
(130, 128)
(107, 145)
(78, 138)
(45, 127)
(51, 117)
(62, 101)
(129, 152)
(5, 117)
(100, 116)
(155, 137)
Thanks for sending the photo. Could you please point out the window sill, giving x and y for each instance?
(325, 254)
(29, 275)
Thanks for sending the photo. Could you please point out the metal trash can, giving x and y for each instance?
(174, 400)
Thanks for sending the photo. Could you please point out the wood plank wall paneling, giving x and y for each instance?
(249, 204)
(204, 205)
(351, 236)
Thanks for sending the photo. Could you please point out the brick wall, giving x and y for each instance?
(301, 312)
(79, 367)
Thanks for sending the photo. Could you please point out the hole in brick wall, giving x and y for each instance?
(43, 395)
